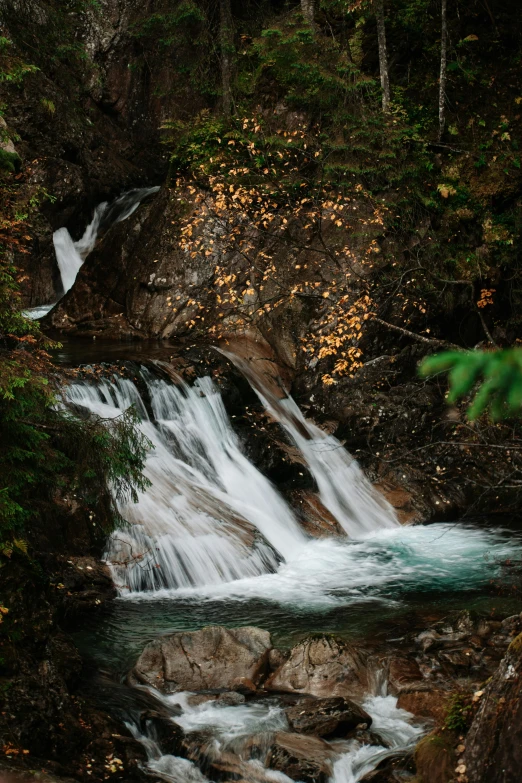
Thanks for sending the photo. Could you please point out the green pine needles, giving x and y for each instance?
(498, 375)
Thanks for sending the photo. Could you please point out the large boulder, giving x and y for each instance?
(324, 667)
(494, 742)
(334, 717)
(212, 658)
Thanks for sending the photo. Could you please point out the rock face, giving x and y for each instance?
(326, 717)
(322, 667)
(213, 658)
(494, 742)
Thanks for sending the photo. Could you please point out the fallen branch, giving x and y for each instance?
(417, 337)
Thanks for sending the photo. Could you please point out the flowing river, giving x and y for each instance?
(212, 541)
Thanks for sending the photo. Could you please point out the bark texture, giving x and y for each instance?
(383, 55)
(443, 68)
(226, 33)
(308, 8)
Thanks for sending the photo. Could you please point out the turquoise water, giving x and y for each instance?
(377, 590)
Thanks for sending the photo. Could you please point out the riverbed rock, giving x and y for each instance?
(494, 742)
(306, 759)
(334, 717)
(405, 676)
(322, 666)
(425, 704)
(214, 657)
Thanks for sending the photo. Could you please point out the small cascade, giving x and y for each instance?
(393, 726)
(230, 730)
(343, 488)
(70, 255)
(210, 516)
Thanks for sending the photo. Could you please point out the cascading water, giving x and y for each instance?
(71, 255)
(232, 728)
(212, 527)
(211, 517)
(343, 488)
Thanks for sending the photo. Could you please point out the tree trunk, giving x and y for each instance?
(308, 11)
(443, 69)
(383, 54)
(226, 35)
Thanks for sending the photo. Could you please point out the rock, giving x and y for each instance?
(322, 667)
(405, 676)
(229, 698)
(494, 742)
(427, 640)
(425, 704)
(334, 717)
(435, 759)
(276, 658)
(314, 517)
(214, 657)
(167, 734)
(306, 759)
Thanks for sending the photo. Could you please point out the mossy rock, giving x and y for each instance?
(516, 645)
(435, 759)
(9, 161)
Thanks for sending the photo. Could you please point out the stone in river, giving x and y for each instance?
(324, 667)
(334, 717)
(212, 658)
(302, 758)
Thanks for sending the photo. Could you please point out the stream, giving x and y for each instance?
(213, 542)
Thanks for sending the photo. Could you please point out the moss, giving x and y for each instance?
(434, 759)
(9, 161)
(516, 645)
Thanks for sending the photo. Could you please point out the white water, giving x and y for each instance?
(70, 255)
(231, 728)
(392, 725)
(343, 487)
(209, 513)
(213, 528)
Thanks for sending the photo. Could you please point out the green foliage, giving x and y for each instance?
(457, 717)
(499, 375)
(47, 453)
(12, 69)
(9, 161)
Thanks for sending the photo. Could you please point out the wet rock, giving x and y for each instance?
(313, 516)
(306, 759)
(494, 742)
(324, 667)
(334, 717)
(214, 657)
(425, 704)
(228, 698)
(456, 661)
(276, 658)
(405, 676)
(427, 640)
(435, 759)
(167, 734)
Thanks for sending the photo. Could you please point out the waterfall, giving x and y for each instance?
(343, 488)
(70, 255)
(210, 516)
